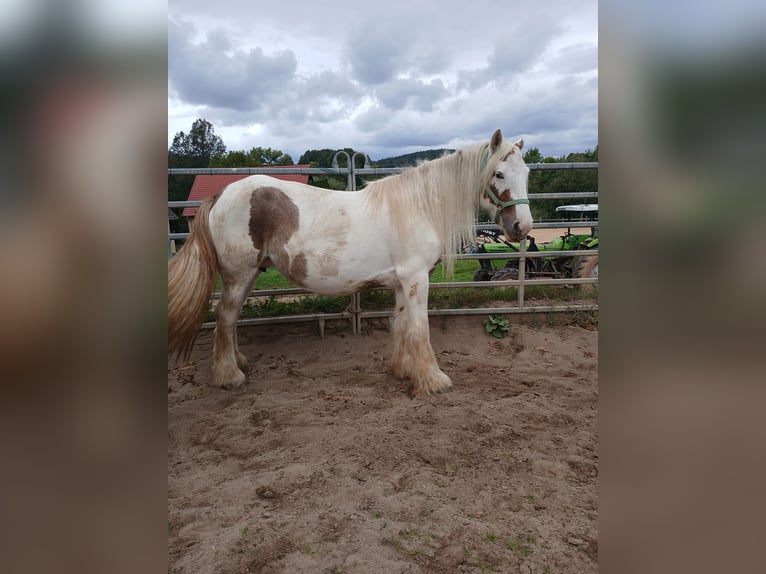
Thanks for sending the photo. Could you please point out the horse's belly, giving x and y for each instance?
(346, 284)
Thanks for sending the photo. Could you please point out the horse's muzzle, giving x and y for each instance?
(515, 229)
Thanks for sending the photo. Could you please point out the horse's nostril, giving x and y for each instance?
(516, 227)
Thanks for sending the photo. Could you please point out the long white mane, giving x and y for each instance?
(444, 192)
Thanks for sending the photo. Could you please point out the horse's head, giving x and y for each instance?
(505, 189)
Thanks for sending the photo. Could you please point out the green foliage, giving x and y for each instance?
(497, 326)
(178, 190)
(197, 148)
(533, 155)
(323, 157)
(256, 157)
(329, 182)
(559, 181)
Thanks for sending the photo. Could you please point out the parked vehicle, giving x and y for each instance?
(556, 266)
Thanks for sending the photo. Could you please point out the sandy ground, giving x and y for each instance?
(323, 464)
(545, 235)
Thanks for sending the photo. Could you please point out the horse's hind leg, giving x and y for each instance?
(227, 360)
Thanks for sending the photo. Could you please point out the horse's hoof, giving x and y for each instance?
(439, 384)
(231, 382)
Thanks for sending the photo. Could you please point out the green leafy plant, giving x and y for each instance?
(497, 326)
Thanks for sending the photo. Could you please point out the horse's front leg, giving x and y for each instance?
(241, 359)
(419, 359)
(400, 358)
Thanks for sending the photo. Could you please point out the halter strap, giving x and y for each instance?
(500, 205)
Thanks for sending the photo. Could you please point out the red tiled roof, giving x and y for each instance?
(206, 185)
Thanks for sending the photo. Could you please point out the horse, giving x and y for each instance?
(391, 234)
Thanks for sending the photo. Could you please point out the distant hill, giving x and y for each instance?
(411, 159)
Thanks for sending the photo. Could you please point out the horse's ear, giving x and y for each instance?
(497, 139)
(519, 144)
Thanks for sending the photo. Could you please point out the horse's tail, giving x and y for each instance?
(191, 280)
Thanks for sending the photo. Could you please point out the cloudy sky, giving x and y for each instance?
(385, 77)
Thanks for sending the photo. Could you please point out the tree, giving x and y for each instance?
(270, 156)
(533, 155)
(256, 157)
(197, 148)
(558, 181)
(323, 157)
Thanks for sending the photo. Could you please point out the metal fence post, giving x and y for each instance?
(356, 298)
(522, 271)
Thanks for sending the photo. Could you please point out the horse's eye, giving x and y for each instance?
(499, 175)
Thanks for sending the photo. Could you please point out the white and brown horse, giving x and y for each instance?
(388, 235)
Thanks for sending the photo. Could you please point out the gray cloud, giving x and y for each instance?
(575, 59)
(247, 85)
(411, 93)
(511, 56)
(385, 78)
(214, 73)
(376, 52)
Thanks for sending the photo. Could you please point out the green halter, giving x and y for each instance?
(500, 205)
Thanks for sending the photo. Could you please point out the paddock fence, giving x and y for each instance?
(355, 314)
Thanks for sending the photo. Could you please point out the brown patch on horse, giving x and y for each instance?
(328, 263)
(273, 217)
(298, 270)
(414, 290)
(504, 195)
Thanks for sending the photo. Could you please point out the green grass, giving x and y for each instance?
(272, 279)
(463, 271)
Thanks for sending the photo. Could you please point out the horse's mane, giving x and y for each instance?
(444, 192)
